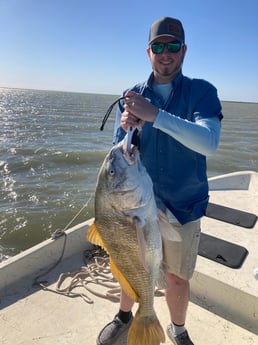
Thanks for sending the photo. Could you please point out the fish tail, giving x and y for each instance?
(146, 330)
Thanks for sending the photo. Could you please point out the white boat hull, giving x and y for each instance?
(230, 293)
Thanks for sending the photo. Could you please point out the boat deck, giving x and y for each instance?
(232, 293)
(39, 317)
(224, 301)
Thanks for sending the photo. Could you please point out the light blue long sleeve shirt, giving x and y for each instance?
(173, 148)
(201, 136)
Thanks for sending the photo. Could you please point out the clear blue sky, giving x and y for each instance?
(100, 46)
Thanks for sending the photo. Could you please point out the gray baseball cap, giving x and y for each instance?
(167, 26)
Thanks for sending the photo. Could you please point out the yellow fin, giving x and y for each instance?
(145, 330)
(123, 281)
(93, 236)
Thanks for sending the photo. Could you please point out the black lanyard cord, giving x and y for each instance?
(109, 111)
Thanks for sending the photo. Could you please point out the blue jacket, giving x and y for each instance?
(178, 173)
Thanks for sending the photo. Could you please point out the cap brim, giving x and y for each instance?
(166, 35)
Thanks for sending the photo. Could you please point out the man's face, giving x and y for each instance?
(166, 64)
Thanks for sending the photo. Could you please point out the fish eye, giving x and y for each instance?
(111, 172)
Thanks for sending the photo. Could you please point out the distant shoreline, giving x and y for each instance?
(103, 94)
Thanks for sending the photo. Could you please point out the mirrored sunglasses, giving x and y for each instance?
(172, 47)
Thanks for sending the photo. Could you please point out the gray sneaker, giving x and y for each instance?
(114, 331)
(181, 339)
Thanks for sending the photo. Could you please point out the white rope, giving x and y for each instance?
(78, 213)
(96, 273)
(56, 234)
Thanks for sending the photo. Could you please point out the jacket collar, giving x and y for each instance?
(175, 82)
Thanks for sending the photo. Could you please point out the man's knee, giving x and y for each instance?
(174, 280)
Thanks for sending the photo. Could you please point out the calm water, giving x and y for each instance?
(51, 149)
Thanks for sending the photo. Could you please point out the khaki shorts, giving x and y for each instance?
(180, 257)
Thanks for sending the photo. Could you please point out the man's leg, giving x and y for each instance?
(180, 258)
(126, 303)
(119, 326)
(177, 297)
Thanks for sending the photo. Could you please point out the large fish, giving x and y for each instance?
(127, 226)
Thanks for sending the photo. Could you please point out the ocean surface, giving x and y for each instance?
(51, 149)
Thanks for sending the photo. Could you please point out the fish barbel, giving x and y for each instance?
(127, 226)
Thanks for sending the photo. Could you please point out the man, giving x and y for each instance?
(180, 120)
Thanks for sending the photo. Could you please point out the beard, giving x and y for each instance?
(167, 73)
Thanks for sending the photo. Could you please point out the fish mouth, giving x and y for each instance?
(131, 155)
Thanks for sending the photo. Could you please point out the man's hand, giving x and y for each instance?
(137, 110)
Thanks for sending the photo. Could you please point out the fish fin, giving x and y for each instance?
(93, 236)
(146, 256)
(145, 330)
(126, 286)
(167, 230)
(142, 247)
(161, 281)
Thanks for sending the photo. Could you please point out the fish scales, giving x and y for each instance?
(126, 226)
